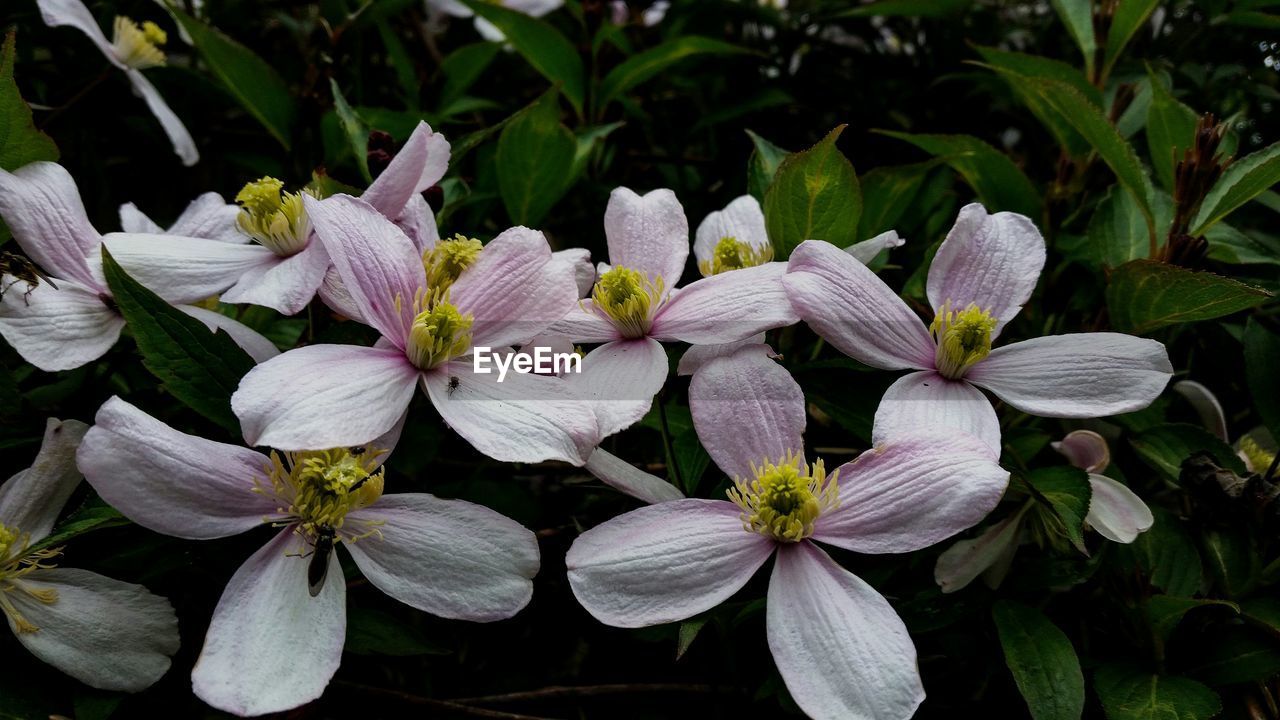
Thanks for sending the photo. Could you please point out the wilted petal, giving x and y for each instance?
(285, 284)
(451, 558)
(845, 303)
(32, 499)
(108, 634)
(258, 347)
(727, 307)
(419, 164)
(742, 220)
(1115, 511)
(926, 400)
(1206, 405)
(171, 482)
(913, 492)
(186, 270)
(58, 329)
(620, 379)
(648, 233)
(1086, 450)
(959, 564)
(183, 145)
(271, 646)
(840, 647)
(664, 562)
(1083, 375)
(41, 205)
(324, 396)
(524, 418)
(867, 250)
(74, 13)
(747, 409)
(627, 478)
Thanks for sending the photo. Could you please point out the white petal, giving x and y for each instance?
(133, 220)
(840, 647)
(664, 562)
(1116, 512)
(183, 145)
(108, 634)
(867, 250)
(959, 564)
(74, 13)
(584, 274)
(32, 499)
(186, 270)
(1085, 449)
(419, 164)
(925, 399)
(284, 284)
(1206, 405)
(58, 329)
(258, 347)
(209, 217)
(648, 233)
(583, 324)
(742, 220)
(620, 379)
(727, 307)
(625, 477)
(271, 646)
(41, 205)
(698, 355)
(451, 558)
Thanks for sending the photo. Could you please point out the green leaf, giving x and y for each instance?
(198, 367)
(1231, 246)
(1118, 232)
(1164, 612)
(1237, 655)
(908, 8)
(20, 141)
(998, 182)
(1129, 16)
(1242, 181)
(1019, 70)
(763, 165)
(588, 139)
(400, 61)
(1263, 611)
(1261, 349)
(1065, 490)
(1171, 128)
(814, 196)
(462, 67)
(1130, 693)
(1043, 663)
(1166, 555)
(549, 52)
(689, 630)
(372, 632)
(534, 161)
(86, 519)
(1164, 447)
(887, 195)
(249, 78)
(1077, 15)
(1145, 295)
(354, 129)
(1236, 563)
(642, 66)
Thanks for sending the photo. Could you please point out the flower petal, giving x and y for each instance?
(514, 290)
(375, 260)
(171, 482)
(183, 145)
(867, 250)
(1206, 406)
(698, 355)
(742, 220)
(324, 396)
(186, 270)
(959, 564)
(524, 418)
(33, 498)
(747, 409)
(665, 562)
(627, 478)
(133, 220)
(419, 164)
(58, 329)
(620, 379)
(648, 233)
(283, 284)
(1082, 375)
(271, 646)
(925, 399)
(108, 634)
(419, 222)
(845, 303)
(258, 347)
(841, 648)
(992, 261)
(74, 13)
(209, 217)
(583, 324)
(451, 558)
(727, 307)
(913, 492)
(1085, 449)
(1115, 511)
(584, 273)
(41, 205)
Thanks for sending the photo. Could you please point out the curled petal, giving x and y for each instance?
(1206, 405)
(1115, 511)
(1086, 450)
(867, 250)
(32, 499)
(959, 564)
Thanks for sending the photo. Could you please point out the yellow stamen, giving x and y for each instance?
(16, 561)
(733, 254)
(446, 261)
(138, 47)
(439, 333)
(317, 489)
(276, 219)
(784, 500)
(1257, 459)
(963, 338)
(628, 298)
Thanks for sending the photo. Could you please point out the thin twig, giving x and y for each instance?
(559, 692)
(450, 706)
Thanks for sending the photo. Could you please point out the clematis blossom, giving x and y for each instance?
(431, 313)
(982, 274)
(208, 217)
(64, 327)
(133, 49)
(838, 644)
(277, 633)
(108, 634)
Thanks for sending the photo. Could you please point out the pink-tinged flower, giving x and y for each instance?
(208, 216)
(134, 48)
(487, 30)
(1256, 448)
(277, 633)
(431, 312)
(981, 276)
(840, 647)
(1115, 511)
(64, 327)
(285, 265)
(108, 634)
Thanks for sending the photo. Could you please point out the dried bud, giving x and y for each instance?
(381, 149)
(1200, 167)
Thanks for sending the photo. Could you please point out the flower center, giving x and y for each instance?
(316, 490)
(438, 334)
(17, 560)
(276, 219)
(963, 338)
(138, 47)
(446, 261)
(629, 299)
(733, 254)
(784, 501)
(1256, 457)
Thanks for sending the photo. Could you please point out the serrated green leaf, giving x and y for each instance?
(1129, 15)
(1242, 181)
(1261, 349)
(534, 161)
(888, 193)
(642, 66)
(20, 141)
(1118, 232)
(1145, 295)
(1231, 246)
(1043, 662)
(86, 519)
(1166, 555)
(1019, 69)
(762, 165)
(689, 630)
(549, 52)
(1165, 612)
(1164, 447)
(1130, 693)
(1171, 127)
(998, 182)
(1077, 16)
(1066, 492)
(814, 196)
